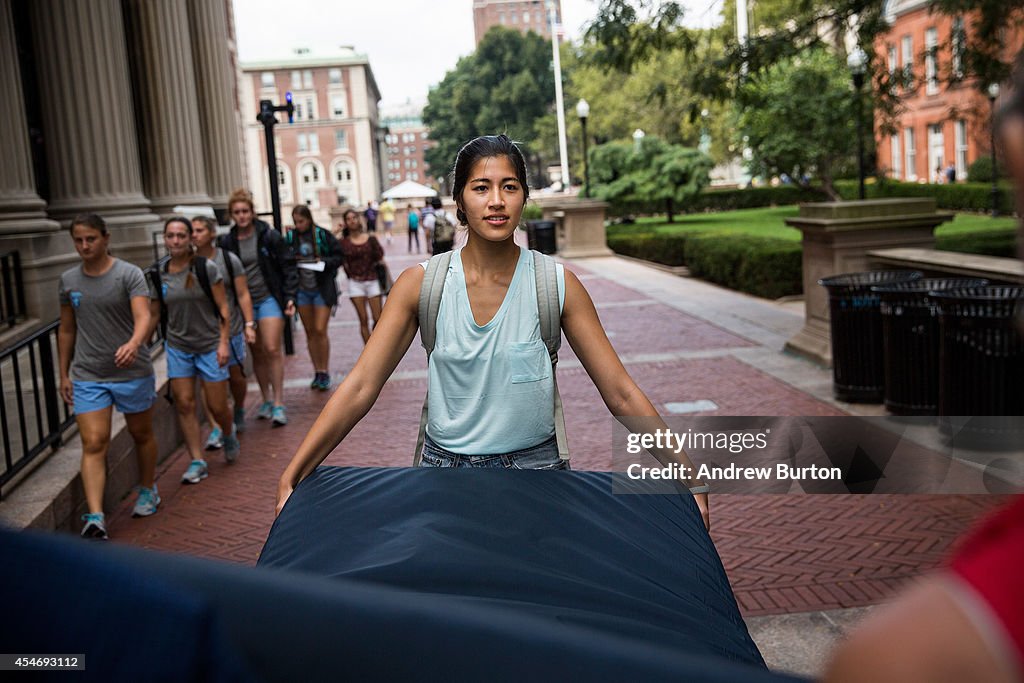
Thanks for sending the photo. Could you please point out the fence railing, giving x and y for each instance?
(32, 415)
(12, 289)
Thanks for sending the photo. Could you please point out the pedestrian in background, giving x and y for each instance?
(243, 324)
(387, 216)
(197, 339)
(371, 217)
(273, 280)
(102, 345)
(314, 248)
(414, 228)
(362, 252)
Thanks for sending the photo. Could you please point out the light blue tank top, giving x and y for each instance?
(490, 387)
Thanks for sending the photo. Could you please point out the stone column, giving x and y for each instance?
(173, 170)
(92, 153)
(581, 232)
(21, 209)
(216, 89)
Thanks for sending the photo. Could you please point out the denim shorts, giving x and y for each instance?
(543, 456)
(268, 308)
(129, 397)
(310, 298)
(185, 364)
(237, 356)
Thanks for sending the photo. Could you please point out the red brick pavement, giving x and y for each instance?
(783, 554)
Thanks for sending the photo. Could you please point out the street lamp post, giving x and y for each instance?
(857, 62)
(638, 136)
(559, 107)
(583, 111)
(993, 93)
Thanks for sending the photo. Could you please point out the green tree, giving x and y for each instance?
(799, 118)
(630, 176)
(503, 87)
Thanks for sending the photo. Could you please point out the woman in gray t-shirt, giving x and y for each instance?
(197, 343)
(104, 362)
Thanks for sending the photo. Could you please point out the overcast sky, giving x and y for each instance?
(410, 43)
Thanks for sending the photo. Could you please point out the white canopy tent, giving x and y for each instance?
(409, 189)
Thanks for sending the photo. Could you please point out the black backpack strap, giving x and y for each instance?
(203, 275)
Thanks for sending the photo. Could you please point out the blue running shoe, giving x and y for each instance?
(280, 419)
(146, 503)
(266, 411)
(231, 448)
(196, 472)
(239, 420)
(95, 527)
(216, 440)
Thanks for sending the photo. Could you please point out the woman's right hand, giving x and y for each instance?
(67, 391)
(284, 491)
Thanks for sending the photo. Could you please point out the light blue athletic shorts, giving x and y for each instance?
(184, 364)
(130, 396)
(268, 308)
(237, 350)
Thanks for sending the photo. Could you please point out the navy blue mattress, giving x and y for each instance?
(515, 567)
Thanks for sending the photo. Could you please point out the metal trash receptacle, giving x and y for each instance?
(981, 351)
(542, 236)
(910, 341)
(858, 373)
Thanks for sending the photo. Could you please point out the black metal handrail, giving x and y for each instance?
(33, 418)
(12, 289)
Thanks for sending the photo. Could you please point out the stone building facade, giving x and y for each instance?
(101, 118)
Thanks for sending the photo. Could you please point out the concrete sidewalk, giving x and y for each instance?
(797, 563)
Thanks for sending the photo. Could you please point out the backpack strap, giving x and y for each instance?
(546, 274)
(429, 305)
(155, 271)
(199, 268)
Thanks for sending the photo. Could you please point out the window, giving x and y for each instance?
(931, 71)
(296, 80)
(283, 181)
(423, 136)
(501, 18)
(334, 76)
(515, 17)
(958, 39)
(897, 159)
(307, 79)
(907, 48)
(298, 111)
(310, 107)
(909, 154)
(526, 17)
(314, 143)
(303, 143)
(267, 79)
(338, 106)
(340, 139)
(936, 151)
(960, 137)
(310, 173)
(892, 60)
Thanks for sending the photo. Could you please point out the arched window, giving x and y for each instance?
(284, 181)
(343, 177)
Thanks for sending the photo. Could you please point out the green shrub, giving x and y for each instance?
(980, 171)
(764, 267)
(754, 197)
(955, 196)
(532, 212)
(985, 242)
(665, 249)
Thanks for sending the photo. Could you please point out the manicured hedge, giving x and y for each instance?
(987, 242)
(955, 196)
(754, 197)
(760, 266)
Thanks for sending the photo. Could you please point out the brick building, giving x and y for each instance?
(522, 15)
(943, 120)
(407, 139)
(334, 153)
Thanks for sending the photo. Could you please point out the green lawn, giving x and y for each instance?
(769, 223)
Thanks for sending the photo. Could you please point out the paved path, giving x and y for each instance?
(682, 340)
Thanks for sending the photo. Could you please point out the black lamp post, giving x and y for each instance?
(583, 111)
(857, 63)
(993, 93)
(269, 120)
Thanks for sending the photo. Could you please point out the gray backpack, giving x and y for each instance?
(550, 329)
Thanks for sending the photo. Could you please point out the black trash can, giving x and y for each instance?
(858, 374)
(543, 236)
(981, 352)
(910, 336)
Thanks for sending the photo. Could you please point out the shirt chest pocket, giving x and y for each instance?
(528, 361)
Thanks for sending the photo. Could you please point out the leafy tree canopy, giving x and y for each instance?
(503, 87)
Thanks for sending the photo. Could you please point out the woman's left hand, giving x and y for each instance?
(223, 353)
(289, 309)
(126, 355)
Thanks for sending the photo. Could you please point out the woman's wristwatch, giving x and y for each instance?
(697, 490)
(251, 323)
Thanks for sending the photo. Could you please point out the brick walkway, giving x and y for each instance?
(783, 554)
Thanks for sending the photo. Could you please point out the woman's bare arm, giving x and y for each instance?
(357, 393)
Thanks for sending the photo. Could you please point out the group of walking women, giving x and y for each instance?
(214, 300)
